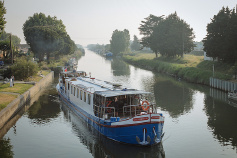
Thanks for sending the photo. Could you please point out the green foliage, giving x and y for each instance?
(2, 19)
(173, 36)
(135, 44)
(99, 48)
(221, 38)
(47, 36)
(14, 39)
(22, 69)
(6, 148)
(178, 68)
(119, 41)
(5, 45)
(147, 29)
(170, 37)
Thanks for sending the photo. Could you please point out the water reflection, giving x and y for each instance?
(173, 96)
(6, 148)
(101, 147)
(119, 67)
(222, 119)
(45, 109)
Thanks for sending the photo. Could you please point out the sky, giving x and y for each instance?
(93, 21)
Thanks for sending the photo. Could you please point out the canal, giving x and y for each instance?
(199, 121)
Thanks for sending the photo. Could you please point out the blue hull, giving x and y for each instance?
(130, 134)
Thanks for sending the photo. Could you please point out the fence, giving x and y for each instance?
(223, 85)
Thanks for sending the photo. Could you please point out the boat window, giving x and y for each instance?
(81, 94)
(74, 91)
(71, 89)
(84, 96)
(77, 93)
(89, 98)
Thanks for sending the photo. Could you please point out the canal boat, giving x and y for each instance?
(119, 113)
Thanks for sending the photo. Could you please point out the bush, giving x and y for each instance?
(23, 69)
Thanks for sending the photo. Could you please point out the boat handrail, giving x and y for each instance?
(137, 109)
(103, 112)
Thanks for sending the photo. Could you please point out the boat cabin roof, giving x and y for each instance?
(103, 88)
(113, 93)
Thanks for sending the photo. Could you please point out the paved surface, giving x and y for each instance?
(23, 82)
(11, 93)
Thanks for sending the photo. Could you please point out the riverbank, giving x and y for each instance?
(13, 107)
(190, 68)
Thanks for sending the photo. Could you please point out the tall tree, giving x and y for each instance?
(119, 41)
(173, 36)
(2, 18)
(46, 35)
(135, 43)
(146, 29)
(221, 38)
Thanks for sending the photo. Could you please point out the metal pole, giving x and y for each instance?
(213, 70)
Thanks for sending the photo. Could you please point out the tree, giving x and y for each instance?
(135, 44)
(146, 29)
(119, 41)
(47, 35)
(221, 38)
(2, 19)
(172, 36)
(5, 45)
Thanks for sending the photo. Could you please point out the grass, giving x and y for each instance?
(190, 67)
(37, 77)
(6, 99)
(17, 88)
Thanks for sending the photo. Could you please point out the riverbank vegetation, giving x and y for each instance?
(50, 49)
(171, 40)
(191, 68)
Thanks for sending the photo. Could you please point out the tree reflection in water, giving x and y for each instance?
(222, 119)
(45, 109)
(101, 147)
(119, 67)
(173, 96)
(6, 148)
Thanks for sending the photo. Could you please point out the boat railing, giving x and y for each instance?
(133, 110)
(104, 112)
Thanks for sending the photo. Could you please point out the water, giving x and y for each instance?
(199, 121)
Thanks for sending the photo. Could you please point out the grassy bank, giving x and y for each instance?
(6, 99)
(8, 94)
(191, 68)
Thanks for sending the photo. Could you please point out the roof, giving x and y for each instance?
(104, 88)
(113, 93)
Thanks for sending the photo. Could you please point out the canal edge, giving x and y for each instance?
(12, 108)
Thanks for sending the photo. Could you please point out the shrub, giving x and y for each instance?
(23, 69)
